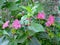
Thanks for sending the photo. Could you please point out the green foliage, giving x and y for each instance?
(36, 27)
(33, 30)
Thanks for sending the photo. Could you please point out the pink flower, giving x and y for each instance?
(48, 24)
(16, 24)
(41, 15)
(5, 24)
(50, 21)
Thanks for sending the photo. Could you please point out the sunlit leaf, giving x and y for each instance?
(36, 27)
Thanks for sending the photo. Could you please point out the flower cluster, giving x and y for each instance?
(41, 15)
(16, 24)
(50, 21)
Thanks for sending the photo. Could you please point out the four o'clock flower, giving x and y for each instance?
(16, 24)
(41, 15)
(48, 24)
(6, 24)
(50, 21)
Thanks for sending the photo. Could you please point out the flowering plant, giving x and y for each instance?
(27, 25)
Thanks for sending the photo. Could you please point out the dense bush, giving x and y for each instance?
(28, 22)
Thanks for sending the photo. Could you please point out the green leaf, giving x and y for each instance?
(22, 38)
(58, 25)
(34, 41)
(41, 7)
(34, 8)
(28, 8)
(1, 39)
(43, 35)
(13, 6)
(12, 0)
(1, 33)
(26, 22)
(3, 42)
(5, 32)
(30, 32)
(1, 23)
(27, 43)
(36, 27)
(2, 2)
(12, 43)
(59, 7)
(23, 19)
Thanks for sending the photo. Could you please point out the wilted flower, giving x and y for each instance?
(41, 15)
(16, 24)
(5, 24)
